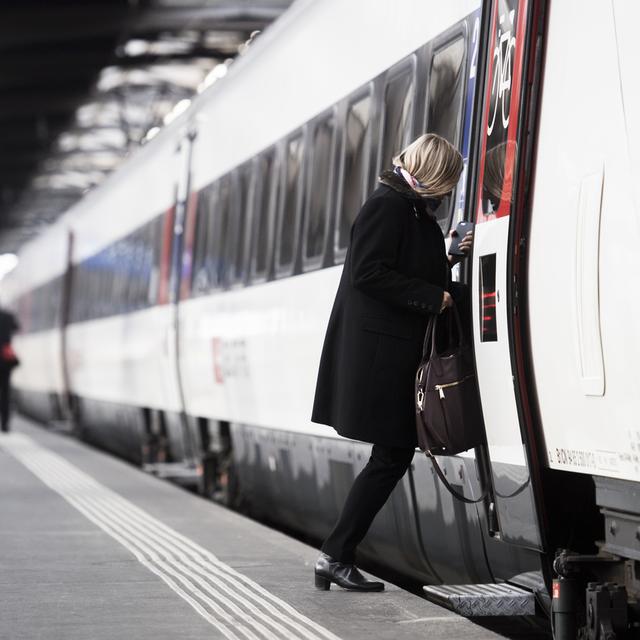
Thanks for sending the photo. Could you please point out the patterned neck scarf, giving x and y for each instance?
(410, 180)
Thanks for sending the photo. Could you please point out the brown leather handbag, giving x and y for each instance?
(448, 412)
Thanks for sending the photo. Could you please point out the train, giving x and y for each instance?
(175, 315)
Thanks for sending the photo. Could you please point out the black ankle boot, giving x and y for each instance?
(347, 576)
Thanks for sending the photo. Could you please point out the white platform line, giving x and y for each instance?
(215, 615)
(149, 533)
(74, 489)
(172, 547)
(141, 539)
(150, 540)
(211, 564)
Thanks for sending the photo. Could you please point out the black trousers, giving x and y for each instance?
(4, 398)
(368, 494)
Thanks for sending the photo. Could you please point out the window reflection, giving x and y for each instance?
(445, 105)
(261, 210)
(355, 166)
(398, 109)
(500, 147)
(238, 244)
(319, 184)
(446, 90)
(287, 226)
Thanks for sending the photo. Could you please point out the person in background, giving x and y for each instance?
(396, 275)
(8, 361)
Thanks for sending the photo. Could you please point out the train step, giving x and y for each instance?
(178, 472)
(471, 600)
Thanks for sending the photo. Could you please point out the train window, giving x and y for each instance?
(445, 105)
(146, 241)
(446, 89)
(488, 299)
(209, 258)
(398, 113)
(83, 309)
(140, 267)
(155, 241)
(288, 208)
(130, 263)
(140, 275)
(220, 236)
(261, 215)
(200, 271)
(356, 165)
(319, 189)
(121, 280)
(499, 144)
(238, 244)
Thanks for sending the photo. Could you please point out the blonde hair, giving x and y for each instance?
(434, 162)
(498, 178)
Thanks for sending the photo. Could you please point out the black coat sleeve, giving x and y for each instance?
(375, 243)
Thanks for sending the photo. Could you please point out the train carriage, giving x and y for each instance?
(180, 315)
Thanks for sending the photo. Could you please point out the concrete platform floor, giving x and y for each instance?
(92, 548)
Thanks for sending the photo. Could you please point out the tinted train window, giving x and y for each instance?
(155, 235)
(319, 194)
(121, 283)
(356, 164)
(136, 266)
(398, 111)
(220, 232)
(261, 224)
(446, 90)
(500, 147)
(201, 273)
(241, 187)
(287, 223)
(444, 113)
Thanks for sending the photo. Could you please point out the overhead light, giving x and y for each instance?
(179, 107)
(218, 72)
(135, 47)
(152, 133)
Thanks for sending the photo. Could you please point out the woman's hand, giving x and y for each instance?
(447, 301)
(465, 246)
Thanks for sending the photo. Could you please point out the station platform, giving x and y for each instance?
(92, 548)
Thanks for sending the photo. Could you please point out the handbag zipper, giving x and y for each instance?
(441, 387)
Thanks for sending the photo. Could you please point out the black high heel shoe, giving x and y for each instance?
(347, 576)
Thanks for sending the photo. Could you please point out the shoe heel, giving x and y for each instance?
(322, 583)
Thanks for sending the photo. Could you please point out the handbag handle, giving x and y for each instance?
(430, 333)
(450, 489)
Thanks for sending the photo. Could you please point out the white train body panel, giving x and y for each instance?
(124, 359)
(495, 379)
(585, 233)
(252, 355)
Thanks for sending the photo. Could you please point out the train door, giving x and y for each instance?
(180, 211)
(501, 181)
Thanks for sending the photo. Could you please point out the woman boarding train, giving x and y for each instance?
(396, 274)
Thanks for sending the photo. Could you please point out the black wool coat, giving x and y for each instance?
(394, 277)
(8, 326)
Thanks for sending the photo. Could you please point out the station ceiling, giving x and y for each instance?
(82, 82)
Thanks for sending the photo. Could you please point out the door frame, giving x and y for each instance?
(528, 497)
